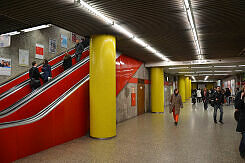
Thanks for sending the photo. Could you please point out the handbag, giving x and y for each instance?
(237, 115)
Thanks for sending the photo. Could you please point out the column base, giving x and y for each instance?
(157, 112)
(102, 138)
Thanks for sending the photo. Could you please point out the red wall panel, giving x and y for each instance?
(126, 67)
(68, 121)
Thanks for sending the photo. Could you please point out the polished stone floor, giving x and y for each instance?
(154, 138)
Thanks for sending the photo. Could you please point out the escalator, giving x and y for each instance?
(11, 96)
(64, 119)
(46, 94)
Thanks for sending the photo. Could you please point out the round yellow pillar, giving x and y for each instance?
(102, 86)
(186, 87)
(181, 87)
(190, 88)
(157, 90)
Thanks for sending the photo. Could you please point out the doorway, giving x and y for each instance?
(141, 97)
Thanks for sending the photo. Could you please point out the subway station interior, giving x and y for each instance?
(122, 81)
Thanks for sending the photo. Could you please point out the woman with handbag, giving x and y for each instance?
(175, 105)
(34, 76)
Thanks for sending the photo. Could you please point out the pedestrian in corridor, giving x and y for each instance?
(205, 98)
(218, 104)
(175, 105)
(240, 108)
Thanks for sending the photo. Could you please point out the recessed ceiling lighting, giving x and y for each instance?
(222, 71)
(200, 67)
(224, 66)
(176, 68)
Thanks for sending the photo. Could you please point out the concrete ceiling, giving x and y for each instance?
(163, 24)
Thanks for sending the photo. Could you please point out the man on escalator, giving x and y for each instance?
(79, 49)
(35, 76)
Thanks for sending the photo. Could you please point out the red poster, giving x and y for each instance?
(39, 51)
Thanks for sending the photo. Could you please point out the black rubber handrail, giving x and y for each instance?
(26, 82)
(46, 110)
(16, 106)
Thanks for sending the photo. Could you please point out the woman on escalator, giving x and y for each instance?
(67, 61)
(46, 69)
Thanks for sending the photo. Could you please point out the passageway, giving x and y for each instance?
(155, 138)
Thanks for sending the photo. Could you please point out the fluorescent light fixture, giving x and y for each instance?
(36, 28)
(206, 78)
(205, 74)
(200, 67)
(241, 65)
(222, 71)
(193, 77)
(177, 68)
(11, 33)
(224, 66)
(186, 72)
(119, 28)
(238, 70)
(203, 71)
(220, 74)
(190, 17)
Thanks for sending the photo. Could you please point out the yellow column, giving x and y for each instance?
(181, 87)
(186, 87)
(190, 88)
(157, 90)
(102, 86)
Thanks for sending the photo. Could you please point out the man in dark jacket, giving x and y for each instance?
(34, 76)
(79, 49)
(240, 107)
(218, 104)
(67, 61)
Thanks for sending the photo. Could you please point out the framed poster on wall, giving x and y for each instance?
(63, 41)
(52, 46)
(23, 57)
(5, 66)
(39, 51)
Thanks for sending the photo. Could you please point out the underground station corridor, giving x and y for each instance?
(122, 81)
(155, 138)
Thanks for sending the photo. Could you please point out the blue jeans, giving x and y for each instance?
(220, 107)
(242, 144)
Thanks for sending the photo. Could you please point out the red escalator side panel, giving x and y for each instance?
(8, 101)
(69, 120)
(49, 95)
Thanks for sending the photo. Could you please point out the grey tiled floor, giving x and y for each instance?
(154, 138)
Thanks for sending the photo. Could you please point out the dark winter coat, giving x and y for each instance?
(67, 62)
(175, 103)
(79, 48)
(205, 97)
(241, 121)
(35, 77)
(46, 69)
(218, 98)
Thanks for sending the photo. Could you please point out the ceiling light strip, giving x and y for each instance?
(120, 29)
(191, 20)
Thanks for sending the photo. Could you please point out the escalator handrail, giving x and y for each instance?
(47, 109)
(8, 81)
(16, 106)
(26, 82)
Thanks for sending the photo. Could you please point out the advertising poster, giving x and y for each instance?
(23, 57)
(52, 46)
(39, 51)
(5, 41)
(63, 41)
(5, 66)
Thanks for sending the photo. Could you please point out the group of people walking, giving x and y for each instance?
(35, 75)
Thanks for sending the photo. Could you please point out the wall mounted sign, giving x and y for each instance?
(52, 46)
(5, 66)
(63, 41)
(5, 41)
(39, 51)
(23, 57)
